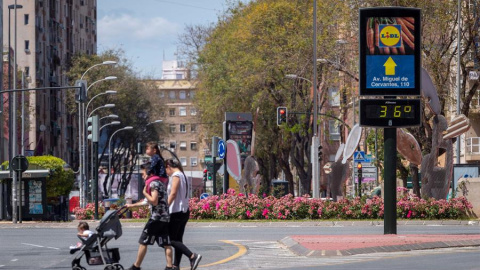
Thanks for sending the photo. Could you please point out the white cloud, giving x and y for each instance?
(124, 28)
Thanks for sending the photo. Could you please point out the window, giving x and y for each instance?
(171, 94)
(25, 19)
(192, 94)
(173, 128)
(173, 144)
(171, 111)
(183, 95)
(161, 94)
(179, 76)
(27, 71)
(183, 146)
(183, 160)
(334, 130)
(193, 111)
(182, 111)
(193, 128)
(193, 146)
(334, 96)
(183, 128)
(27, 45)
(193, 161)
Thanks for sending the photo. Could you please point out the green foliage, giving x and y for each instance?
(60, 182)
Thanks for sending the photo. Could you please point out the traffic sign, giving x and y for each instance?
(359, 156)
(221, 149)
(390, 51)
(203, 196)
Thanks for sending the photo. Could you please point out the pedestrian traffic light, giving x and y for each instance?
(93, 128)
(320, 154)
(205, 174)
(282, 114)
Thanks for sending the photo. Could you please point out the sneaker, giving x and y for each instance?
(195, 261)
(133, 267)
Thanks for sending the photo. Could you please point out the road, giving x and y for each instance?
(233, 246)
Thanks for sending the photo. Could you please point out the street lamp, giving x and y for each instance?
(109, 116)
(13, 106)
(110, 158)
(154, 122)
(106, 106)
(109, 124)
(109, 78)
(108, 92)
(99, 64)
(81, 137)
(294, 76)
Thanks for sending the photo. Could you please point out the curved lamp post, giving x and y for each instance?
(99, 64)
(102, 107)
(110, 158)
(114, 116)
(108, 92)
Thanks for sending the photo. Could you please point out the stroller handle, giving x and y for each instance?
(122, 210)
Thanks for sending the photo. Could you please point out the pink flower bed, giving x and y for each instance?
(233, 206)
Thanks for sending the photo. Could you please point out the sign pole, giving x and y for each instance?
(390, 181)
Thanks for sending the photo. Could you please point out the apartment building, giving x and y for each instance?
(48, 34)
(181, 119)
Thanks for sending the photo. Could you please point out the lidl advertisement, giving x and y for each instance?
(390, 52)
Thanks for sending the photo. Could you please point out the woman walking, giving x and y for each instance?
(178, 198)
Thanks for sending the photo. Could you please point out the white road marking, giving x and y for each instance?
(31, 245)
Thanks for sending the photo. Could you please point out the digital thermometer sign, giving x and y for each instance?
(390, 112)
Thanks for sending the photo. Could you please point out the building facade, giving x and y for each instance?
(48, 34)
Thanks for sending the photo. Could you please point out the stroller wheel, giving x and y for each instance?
(118, 266)
(110, 267)
(78, 268)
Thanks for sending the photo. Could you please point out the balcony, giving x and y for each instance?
(472, 149)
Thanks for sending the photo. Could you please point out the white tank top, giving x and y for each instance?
(180, 204)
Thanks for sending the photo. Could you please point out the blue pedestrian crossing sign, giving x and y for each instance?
(359, 156)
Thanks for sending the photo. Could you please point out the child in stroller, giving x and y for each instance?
(95, 247)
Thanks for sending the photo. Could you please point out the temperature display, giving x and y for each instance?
(390, 112)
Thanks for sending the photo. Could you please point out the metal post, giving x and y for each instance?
(80, 154)
(1, 115)
(214, 176)
(315, 161)
(14, 120)
(95, 177)
(22, 143)
(459, 36)
(390, 182)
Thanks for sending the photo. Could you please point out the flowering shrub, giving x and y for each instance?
(239, 206)
(89, 211)
(288, 207)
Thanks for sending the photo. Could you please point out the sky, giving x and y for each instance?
(147, 30)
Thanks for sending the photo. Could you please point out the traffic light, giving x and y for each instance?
(282, 114)
(205, 175)
(93, 128)
(320, 154)
(359, 170)
(81, 92)
(209, 176)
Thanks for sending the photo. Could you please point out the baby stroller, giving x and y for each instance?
(95, 247)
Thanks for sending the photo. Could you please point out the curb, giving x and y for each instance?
(300, 250)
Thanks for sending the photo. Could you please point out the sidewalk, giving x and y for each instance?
(344, 245)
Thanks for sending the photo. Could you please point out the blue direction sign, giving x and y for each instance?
(390, 71)
(221, 149)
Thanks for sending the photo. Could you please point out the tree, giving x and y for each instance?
(132, 104)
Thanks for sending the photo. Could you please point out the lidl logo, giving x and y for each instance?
(390, 35)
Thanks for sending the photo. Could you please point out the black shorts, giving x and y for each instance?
(155, 231)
